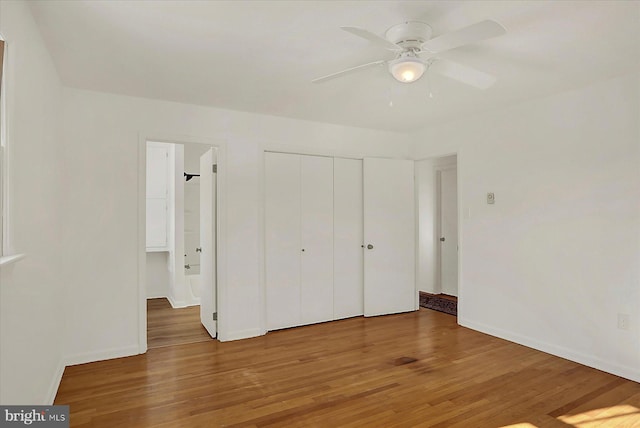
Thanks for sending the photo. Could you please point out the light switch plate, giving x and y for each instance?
(491, 198)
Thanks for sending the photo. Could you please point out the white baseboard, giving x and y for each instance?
(55, 384)
(158, 296)
(107, 354)
(631, 373)
(238, 335)
(176, 303)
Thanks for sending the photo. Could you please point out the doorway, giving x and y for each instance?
(448, 225)
(438, 233)
(179, 276)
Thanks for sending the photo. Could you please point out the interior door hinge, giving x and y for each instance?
(215, 316)
(214, 168)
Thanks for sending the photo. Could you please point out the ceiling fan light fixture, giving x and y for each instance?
(407, 70)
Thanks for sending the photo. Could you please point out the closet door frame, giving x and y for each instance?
(296, 151)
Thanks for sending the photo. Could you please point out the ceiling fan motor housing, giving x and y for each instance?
(409, 35)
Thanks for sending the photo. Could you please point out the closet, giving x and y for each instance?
(319, 265)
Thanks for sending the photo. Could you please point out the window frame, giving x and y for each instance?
(4, 251)
(7, 252)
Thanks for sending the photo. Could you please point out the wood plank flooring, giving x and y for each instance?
(167, 326)
(413, 369)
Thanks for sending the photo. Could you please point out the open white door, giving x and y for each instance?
(389, 237)
(449, 232)
(208, 308)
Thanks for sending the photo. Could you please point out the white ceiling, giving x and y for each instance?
(260, 56)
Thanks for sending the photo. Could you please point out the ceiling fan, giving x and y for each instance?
(415, 52)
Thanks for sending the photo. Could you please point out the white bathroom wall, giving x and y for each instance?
(427, 206)
(555, 260)
(176, 227)
(33, 290)
(103, 131)
(158, 282)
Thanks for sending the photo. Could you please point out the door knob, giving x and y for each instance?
(442, 239)
(370, 247)
(198, 250)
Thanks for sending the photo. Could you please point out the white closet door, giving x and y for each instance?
(348, 257)
(389, 231)
(282, 240)
(316, 286)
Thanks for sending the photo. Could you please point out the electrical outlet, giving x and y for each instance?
(623, 321)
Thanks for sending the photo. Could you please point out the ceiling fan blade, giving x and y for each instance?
(473, 33)
(463, 73)
(347, 71)
(380, 41)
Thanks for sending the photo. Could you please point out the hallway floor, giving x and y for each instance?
(167, 326)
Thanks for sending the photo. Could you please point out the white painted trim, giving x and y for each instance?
(437, 232)
(106, 354)
(142, 245)
(175, 303)
(11, 259)
(631, 373)
(459, 168)
(262, 242)
(157, 250)
(221, 229)
(178, 304)
(159, 296)
(54, 385)
(289, 149)
(6, 192)
(242, 334)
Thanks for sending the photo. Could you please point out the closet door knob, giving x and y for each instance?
(370, 247)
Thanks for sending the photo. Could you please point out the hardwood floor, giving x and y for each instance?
(414, 369)
(167, 326)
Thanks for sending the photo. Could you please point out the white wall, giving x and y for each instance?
(102, 130)
(158, 281)
(554, 261)
(427, 206)
(176, 226)
(32, 291)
